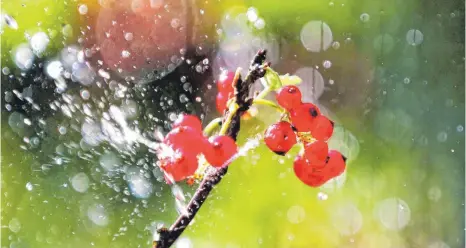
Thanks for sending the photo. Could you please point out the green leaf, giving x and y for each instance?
(271, 80)
(288, 79)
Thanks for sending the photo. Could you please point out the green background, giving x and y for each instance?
(400, 114)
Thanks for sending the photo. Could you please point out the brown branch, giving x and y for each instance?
(167, 236)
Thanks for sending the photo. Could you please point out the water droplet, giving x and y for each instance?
(6, 71)
(98, 215)
(82, 9)
(67, 30)
(183, 98)
(80, 182)
(312, 85)
(109, 161)
(414, 37)
(172, 116)
(327, 64)
(434, 194)
(128, 36)
(252, 14)
(23, 57)
(125, 54)
(259, 23)
(393, 213)
(175, 23)
(62, 130)
(406, 80)
(336, 45)
(442, 136)
(54, 69)
(14, 225)
(140, 186)
(364, 17)
(316, 36)
(29, 186)
(460, 128)
(10, 21)
(296, 214)
(39, 42)
(85, 95)
(322, 196)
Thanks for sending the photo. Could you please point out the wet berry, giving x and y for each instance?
(191, 121)
(280, 137)
(316, 152)
(305, 172)
(336, 163)
(220, 150)
(322, 128)
(225, 81)
(303, 116)
(289, 97)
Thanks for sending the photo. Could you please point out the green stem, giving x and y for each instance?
(269, 104)
(215, 123)
(227, 122)
(263, 93)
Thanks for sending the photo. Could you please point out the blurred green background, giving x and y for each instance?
(390, 73)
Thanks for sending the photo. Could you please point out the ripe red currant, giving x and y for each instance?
(303, 116)
(305, 172)
(220, 150)
(191, 121)
(316, 152)
(178, 166)
(280, 137)
(336, 163)
(225, 81)
(221, 102)
(322, 128)
(289, 97)
(185, 139)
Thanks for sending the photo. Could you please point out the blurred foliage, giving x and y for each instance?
(401, 105)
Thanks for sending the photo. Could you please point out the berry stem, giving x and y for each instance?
(263, 93)
(230, 127)
(215, 123)
(269, 104)
(229, 118)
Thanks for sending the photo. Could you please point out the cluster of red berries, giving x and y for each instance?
(186, 142)
(225, 90)
(317, 164)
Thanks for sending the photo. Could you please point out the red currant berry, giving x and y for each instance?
(303, 116)
(221, 102)
(186, 139)
(336, 163)
(303, 169)
(289, 97)
(178, 166)
(316, 152)
(191, 121)
(322, 128)
(225, 81)
(220, 150)
(280, 137)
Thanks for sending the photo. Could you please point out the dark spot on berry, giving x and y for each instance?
(280, 153)
(333, 123)
(326, 159)
(294, 128)
(344, 158)
(313, 112)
